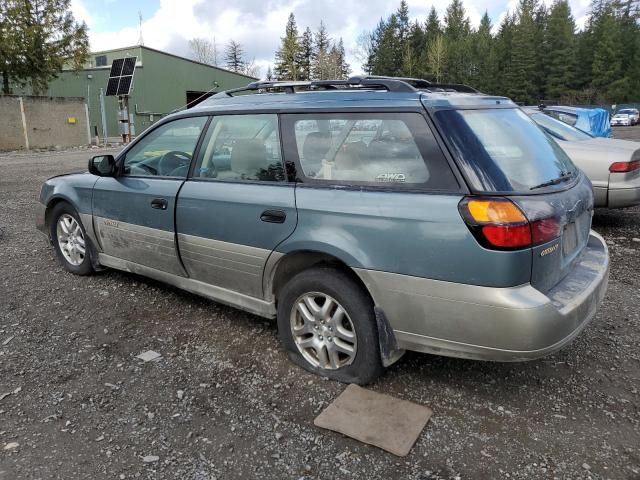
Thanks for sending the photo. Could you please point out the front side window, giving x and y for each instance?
(165, 151)
(241, 148)
(503, 150)
(374, 149)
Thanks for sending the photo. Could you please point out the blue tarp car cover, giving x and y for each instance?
(594, 121)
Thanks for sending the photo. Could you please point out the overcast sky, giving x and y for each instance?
(257, 24)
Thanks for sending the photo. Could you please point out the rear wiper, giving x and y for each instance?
(562, 178)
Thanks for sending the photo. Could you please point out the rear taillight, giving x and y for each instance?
(623, 167)
(498, 223)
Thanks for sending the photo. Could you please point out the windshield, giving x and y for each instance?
(502, 150)
(559, 129)
(628, 112)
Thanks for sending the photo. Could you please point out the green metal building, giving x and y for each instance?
(162, 83)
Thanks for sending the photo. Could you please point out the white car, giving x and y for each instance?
(612, 165)
(626, 117)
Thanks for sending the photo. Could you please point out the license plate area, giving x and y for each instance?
(569, 239)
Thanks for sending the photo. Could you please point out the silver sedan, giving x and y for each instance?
(613, 166)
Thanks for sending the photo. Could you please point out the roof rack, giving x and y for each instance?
(391, 84)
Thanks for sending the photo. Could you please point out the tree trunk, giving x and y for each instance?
(5, 83)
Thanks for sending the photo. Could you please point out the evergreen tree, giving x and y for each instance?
(607, 64)
(413, 51)
(432, 30)
(483, 69)
(234, 56)
(432, 27)
(269, 75)
(388, 59)
(320, 60)
(37, 38)
(402, 16)
(560, 50)
(344, 69)
(503, 48)
(523, 87)
(306, 54)
(373, 46)
(456, 33)
(287, 64)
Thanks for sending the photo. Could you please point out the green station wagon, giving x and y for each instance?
(369, 216)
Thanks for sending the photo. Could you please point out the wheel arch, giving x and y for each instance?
(51, 204)
(297, 261)
(292, 263)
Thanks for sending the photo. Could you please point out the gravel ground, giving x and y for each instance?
(224, 402)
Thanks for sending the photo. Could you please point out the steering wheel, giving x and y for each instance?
(172, 161)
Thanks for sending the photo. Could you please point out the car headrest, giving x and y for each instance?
(316, 145)
(248, 157)
(350, 156)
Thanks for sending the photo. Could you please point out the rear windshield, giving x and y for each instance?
(503, 150)
(559, 129)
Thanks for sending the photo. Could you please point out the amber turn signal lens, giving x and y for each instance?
(495, 211)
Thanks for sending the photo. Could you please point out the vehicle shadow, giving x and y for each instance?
(604, 218)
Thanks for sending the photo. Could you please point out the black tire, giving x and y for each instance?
(84, 268)
(367, 365)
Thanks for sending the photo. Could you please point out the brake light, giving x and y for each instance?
(624, 167)
(498, 223)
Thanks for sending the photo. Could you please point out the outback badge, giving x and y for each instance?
(549, 250)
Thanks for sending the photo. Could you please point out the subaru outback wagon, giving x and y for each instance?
(370, 216)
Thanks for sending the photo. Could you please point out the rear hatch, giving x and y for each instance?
(506, 157)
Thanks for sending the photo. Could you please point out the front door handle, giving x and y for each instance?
(273, 216)
(159, 203)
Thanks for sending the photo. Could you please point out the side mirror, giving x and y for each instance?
(103, 166)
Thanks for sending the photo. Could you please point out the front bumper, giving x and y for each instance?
(485, 323)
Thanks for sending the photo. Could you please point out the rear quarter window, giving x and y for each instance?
(392, 150)
(502, 150)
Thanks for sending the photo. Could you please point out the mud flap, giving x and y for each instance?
(389, 352)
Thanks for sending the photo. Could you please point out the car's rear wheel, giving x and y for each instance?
(70, 240)
(327, 323)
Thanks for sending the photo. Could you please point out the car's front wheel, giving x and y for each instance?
(70, 240)
(327, 323)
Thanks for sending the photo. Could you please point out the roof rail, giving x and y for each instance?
(391, 84)
(452, 87)
(388, 83)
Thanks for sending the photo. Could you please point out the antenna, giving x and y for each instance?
(140, 39)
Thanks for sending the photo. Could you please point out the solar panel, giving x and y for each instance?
(116, 67)
(129, 66)
(121, 76)
(112, 86)
(125, 85)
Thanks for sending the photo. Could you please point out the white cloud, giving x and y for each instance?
(259, 24)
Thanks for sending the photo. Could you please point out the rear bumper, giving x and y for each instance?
(499, 324)
(623, 197)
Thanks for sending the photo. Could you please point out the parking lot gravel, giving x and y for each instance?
(223, 402)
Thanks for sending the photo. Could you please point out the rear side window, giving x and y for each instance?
(568, 118)
(503, 150)
(375, 149)
(241, 147)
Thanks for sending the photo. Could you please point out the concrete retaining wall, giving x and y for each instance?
(42, 122)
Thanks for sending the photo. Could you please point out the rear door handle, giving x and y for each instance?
(159, 203)
(273, 216)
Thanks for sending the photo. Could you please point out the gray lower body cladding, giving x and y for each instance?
(501, 324)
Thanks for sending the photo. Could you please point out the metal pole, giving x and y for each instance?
(126, 106)
(103, 117)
